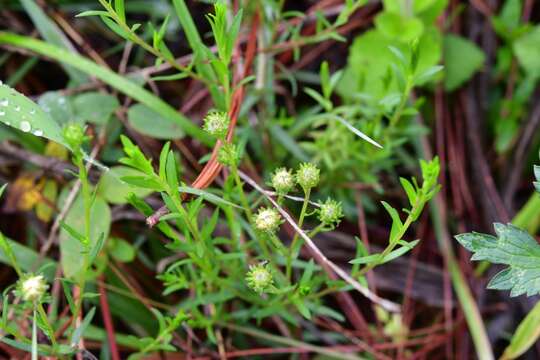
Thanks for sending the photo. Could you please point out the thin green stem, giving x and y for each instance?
(294, 241)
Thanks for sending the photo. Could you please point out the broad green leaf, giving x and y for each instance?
(528, 52)
(148, 122)
(58, 106)
(370, 59)
(462, 58)
(513, 247)
(116, 191)
(70, 248)
(94, 107)
(120, 249)
(396, 26)
(18, 111)
(111, 78)
(525, 336)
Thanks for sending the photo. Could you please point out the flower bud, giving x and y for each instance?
(267, 220)
(228, 155)
(33, 287)
(216, 124)
(259, 278)
(307, 176)
(282, 181)
(330, 212)
(73, 134)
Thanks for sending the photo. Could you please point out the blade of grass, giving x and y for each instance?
(109, 77)
(291, 342)
(53, 35)
(525, 336)
(199, 49)
(464, 295)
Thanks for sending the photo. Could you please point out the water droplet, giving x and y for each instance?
(2, 113)
(62, 100)
(4, 102)
(17, 108)
(32, 112)
(25, 126)
(38, 132)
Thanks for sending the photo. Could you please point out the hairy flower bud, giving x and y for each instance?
(307, 176)
(216, 124)
(32, 287)
(282, 181)
(330, 212)
(259, 278)
(267, 220)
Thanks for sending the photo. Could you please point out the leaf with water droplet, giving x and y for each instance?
(21, 113)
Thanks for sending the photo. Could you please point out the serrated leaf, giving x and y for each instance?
(513, 247)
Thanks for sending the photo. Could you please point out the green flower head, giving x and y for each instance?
(267, 220)
(32, 287)
(282, 181)
(330, 212)
(308, 176)
(259, 278)
(216, 124)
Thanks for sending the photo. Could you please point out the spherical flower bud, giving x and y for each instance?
(73, 134)
(228, 155)
(259, 278)
(330, 212)
(33, 287)
(267, 220)
(282, 181)
(216, 124)
(307, 176)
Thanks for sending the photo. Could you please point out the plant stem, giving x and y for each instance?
(85, 190)
(294, 241)
(247, 209)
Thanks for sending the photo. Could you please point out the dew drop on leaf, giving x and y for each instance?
(25, 126)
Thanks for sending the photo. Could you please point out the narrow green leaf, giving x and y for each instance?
(109, 77)
(525, 336)
(53, 35)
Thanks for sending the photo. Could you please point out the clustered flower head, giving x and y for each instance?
(32, 287)
(259, 278)
(216, 124)
(282, 181)
(330, 212)
(307, 176)
(267, 220)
